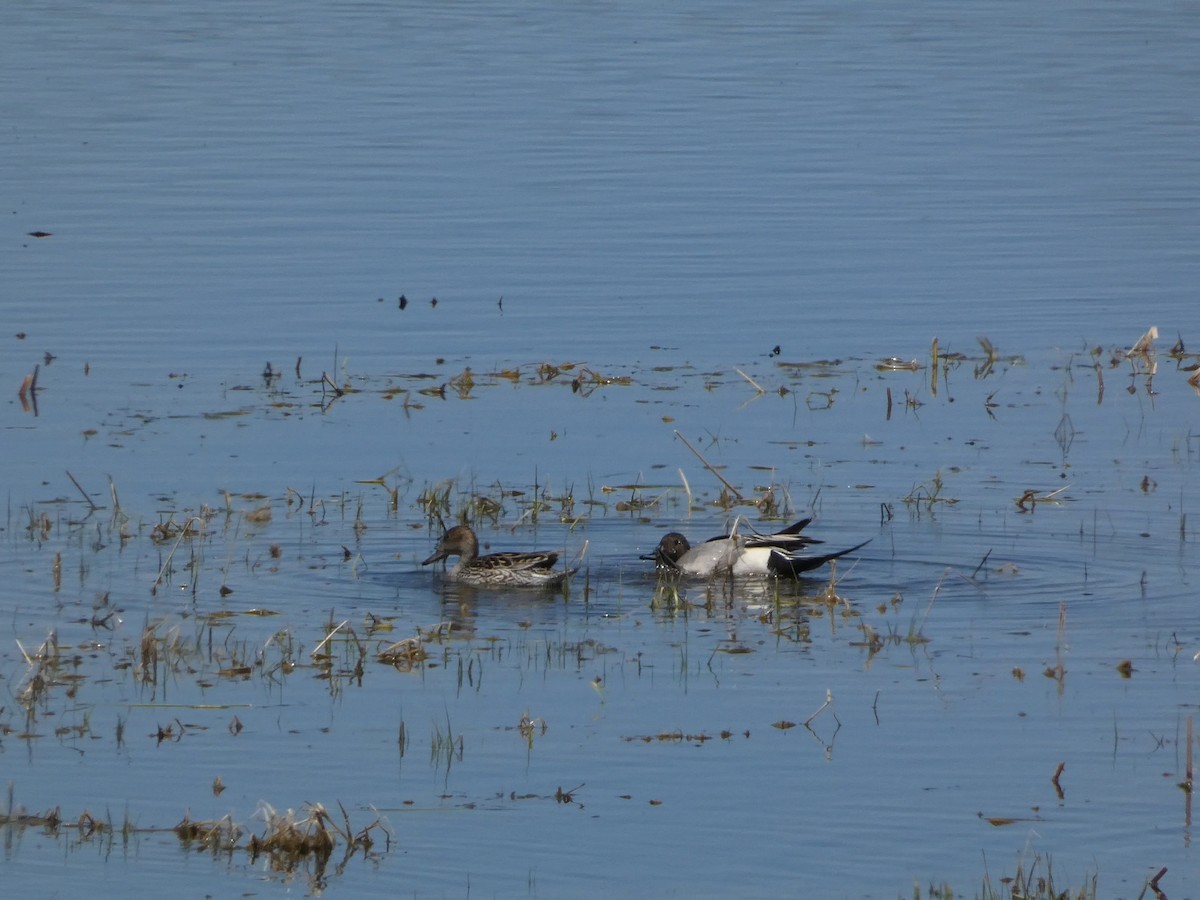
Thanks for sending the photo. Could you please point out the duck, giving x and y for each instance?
(783, 554)
(528, 569)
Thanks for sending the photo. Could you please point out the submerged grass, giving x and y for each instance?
(191, 640)
(1031, 880)
(288, 840)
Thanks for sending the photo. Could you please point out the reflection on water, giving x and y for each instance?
(689, 264)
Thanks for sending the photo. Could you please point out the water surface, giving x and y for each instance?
(622, 214)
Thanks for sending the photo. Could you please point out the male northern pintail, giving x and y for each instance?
(532, 569)
(749, 552)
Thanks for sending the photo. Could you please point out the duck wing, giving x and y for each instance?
(710, 558)
(788, 539)
(536, 560)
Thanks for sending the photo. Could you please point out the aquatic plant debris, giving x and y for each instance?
(297, 617)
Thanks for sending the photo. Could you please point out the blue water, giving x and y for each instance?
(661, 195)
(251, 181)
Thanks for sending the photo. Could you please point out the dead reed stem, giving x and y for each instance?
(328, 637)
(183, 532)
(1189, 750)
(1055, 780)
(720, 477)
(828, 702)
(28, 391)
(90, 501)
(112, 489)
(933, 365)
(758, 387)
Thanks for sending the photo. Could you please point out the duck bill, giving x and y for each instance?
(661, 561)
(440, 554)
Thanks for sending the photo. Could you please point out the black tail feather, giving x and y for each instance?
(797, 528)
(788, 566)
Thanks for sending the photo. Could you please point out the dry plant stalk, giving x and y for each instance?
(828, 702)
(1055, 780)
(287, 836)
(754, 384)
(403, 654)
(317, 649)
(28, 392)
(222, 834)
(720, 477)
(41, 666)
(90, 501)
(1189, 750)
(185, 531)
(148, 667)
(933, 366)
(1144, 343)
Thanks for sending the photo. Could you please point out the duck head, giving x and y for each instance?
(457, 541)
(669, 551)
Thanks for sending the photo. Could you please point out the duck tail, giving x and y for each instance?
(798, 527)
(787, 565)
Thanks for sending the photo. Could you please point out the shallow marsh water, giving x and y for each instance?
(663, 707)
(660, 197)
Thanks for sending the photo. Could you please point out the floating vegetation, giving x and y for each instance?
(587, 381)
(289, 839)
(1029, 500)
(568, 796)
(259, 516)
(220, 836)
(51, 822)
(1031, 881)
(267, 597)
(679, 737)
(43, 666)
(896, 364)
(434, 500)
(530, 727)
(927, 493)
(463, 383)
(171, 530)
(404, 655)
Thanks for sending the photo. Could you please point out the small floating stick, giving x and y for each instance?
(758, 387)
